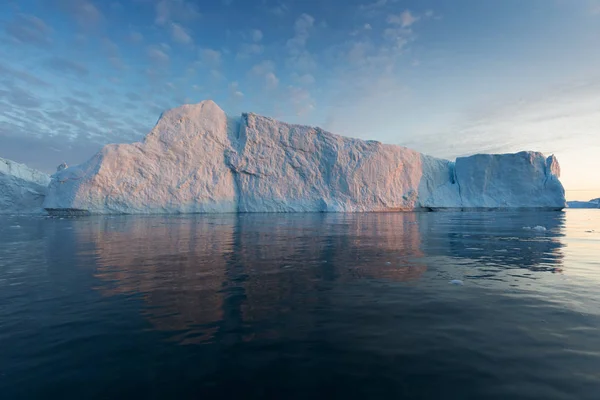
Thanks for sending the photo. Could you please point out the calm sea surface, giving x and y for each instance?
(301, 306)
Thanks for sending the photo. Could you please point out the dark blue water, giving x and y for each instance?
(301, 306)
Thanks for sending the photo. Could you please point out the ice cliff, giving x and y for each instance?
(196, 159)
(22, 189)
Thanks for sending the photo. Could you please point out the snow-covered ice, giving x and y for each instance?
(594, 203)
(22, 189)
(196, 159)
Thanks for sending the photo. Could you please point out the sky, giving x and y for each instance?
(447, 78)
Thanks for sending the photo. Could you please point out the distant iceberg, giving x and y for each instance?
(22, 189)
(197, 160)
(594, 203)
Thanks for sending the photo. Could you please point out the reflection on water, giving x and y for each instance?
(202, 275)
(205, 273)
(301, 305)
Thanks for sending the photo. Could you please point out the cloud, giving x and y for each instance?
(19, 97)
(374, 9)
(234, 92)
(23, 76)
(405, 19)
(109, 47)
(263, 68)
(271, 80)
(304, 80)
(133, 96)
(374, 5)
(84, 12)
(252, 46)
(82, 94)
(179, 34)
(29, 29)
(280, 9)
(175, 11)
(299, 57)
(135, 37)
(62, 65)
(302, 27)
(358, 51)
(44, 152)
(257, 35)
(210, 57)
(157, 55)
(266, 71)
(301, 100)
(398, 37)
(217, 75)
(249, 49)
(111, 50)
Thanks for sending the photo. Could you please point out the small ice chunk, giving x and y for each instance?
(388, 263)
(526, 228)
(539, 228)
(16, 226)
(457, 282)
(287, 266)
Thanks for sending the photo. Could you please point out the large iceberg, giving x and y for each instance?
(22, 189)
(196, 159)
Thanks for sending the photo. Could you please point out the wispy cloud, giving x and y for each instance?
(180, 34)
(299, 58)
(157, 55)
(111, 50)
(266, 71)
(251, 45)
(371, 6)
(19, 97)
(405, 19)
(135, 37)
(84, 12)
(263, 67)
(280, 9)
(304, 79)
(63, 65)
(29, 29)
(168, 11)
(301, 100)
(249, 49)
(22, 76)
(257, 35)
(271, 80)
(302, 27)
(234, 91)
(210, 57)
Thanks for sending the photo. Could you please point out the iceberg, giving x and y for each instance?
(198, 160)
(22, 189)
(594, 203)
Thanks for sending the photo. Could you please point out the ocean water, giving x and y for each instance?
(301, 306)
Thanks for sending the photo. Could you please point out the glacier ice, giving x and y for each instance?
(196, 160)
(22, 189)
(178, 168)
(594, 203)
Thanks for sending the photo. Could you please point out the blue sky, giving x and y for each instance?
(448, 78)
